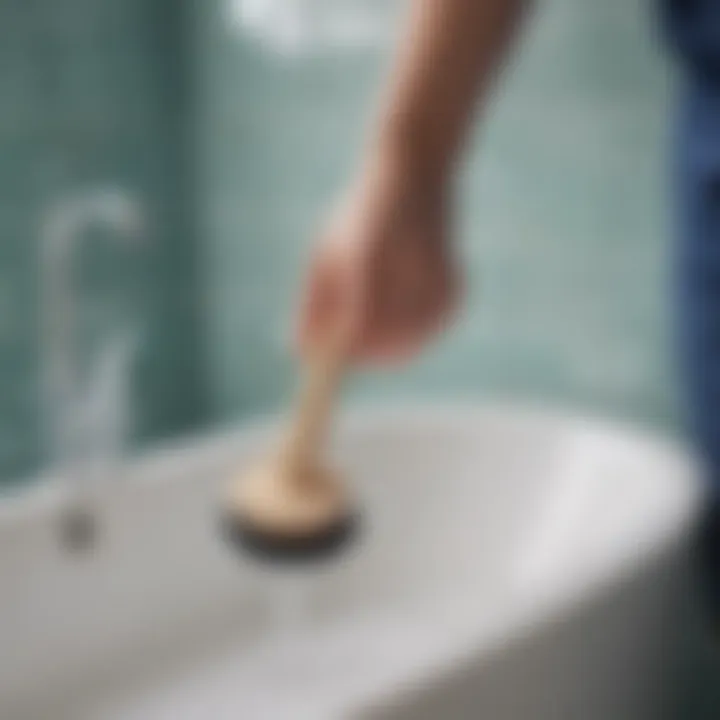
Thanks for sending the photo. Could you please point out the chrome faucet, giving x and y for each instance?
(81, 419)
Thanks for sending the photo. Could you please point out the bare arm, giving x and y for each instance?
(448, 55)
(383, 269)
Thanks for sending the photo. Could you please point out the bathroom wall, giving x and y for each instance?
(93, 93)
(563, 210)
(234, 144)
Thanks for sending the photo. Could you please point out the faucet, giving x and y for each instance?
(81, 421)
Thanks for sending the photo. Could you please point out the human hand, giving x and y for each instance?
(382, 273)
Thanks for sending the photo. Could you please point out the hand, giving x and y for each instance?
(382, 273)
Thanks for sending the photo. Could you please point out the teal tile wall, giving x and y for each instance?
(235, 151)
(95, 92)
(562, 213)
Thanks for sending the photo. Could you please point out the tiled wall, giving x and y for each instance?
(563, 215)
(94, 92)
(235, 150)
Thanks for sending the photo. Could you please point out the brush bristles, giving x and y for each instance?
(270, 546)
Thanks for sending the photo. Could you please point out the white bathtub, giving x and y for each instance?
(515, 564)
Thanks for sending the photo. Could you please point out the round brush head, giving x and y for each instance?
(266, 544)
(276, 516)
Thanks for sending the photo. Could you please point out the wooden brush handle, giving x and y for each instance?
(322, 378)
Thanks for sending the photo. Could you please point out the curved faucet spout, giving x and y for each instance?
(64, 226)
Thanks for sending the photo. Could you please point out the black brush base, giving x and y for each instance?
(289, 549)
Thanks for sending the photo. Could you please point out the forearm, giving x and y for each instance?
(448, 56)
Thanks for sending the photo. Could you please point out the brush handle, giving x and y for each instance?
(322, 378)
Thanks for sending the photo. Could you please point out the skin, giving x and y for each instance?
(383, 277)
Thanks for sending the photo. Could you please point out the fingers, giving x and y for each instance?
(334, 301)
(318, 303)
(400, 346)
(379, 319)
(382, 293)
(403, 326)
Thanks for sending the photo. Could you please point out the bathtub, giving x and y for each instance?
(515, 563)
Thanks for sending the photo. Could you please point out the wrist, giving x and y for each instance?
(426, 142)
(397, 162)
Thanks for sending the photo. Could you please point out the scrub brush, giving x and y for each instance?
(290, 507)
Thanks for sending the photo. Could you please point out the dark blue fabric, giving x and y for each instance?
(692, 28)
(698, 264)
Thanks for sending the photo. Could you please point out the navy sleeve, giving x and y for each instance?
(692, 30)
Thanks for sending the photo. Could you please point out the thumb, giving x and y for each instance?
(353, 292)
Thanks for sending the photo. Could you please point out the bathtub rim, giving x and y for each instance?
(43, 494)
(160, 468)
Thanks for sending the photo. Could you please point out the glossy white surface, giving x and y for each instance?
(515, 564)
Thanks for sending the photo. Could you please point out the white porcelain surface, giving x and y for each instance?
(514, 564)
